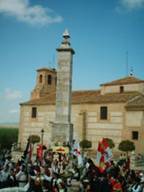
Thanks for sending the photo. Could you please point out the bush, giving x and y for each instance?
(85, 144)
(126, 146)
(8, 136)
(34, 139)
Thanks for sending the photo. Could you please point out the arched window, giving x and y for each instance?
(40, 78)
(49, 79)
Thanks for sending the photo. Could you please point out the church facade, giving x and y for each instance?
(115, 110)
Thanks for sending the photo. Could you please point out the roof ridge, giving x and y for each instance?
(124, 80)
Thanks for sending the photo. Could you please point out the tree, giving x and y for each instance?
(34, 139)
(110, 142)
(85, 144)
(8, 136)
(126, 146)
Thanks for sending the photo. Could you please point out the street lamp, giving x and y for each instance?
(42, 134)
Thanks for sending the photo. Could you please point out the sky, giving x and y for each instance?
(107, 36)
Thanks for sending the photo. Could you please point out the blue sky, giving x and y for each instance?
(102, 31)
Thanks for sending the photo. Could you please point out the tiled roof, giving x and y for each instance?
(47, 69)
(87, 97)
(136, 103)
(124, 81)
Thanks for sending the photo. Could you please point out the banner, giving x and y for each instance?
(60, 149)
(77, 152)
(103, 154)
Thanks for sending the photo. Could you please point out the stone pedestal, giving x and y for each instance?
(62, 132)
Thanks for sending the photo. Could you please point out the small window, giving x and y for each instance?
(103, 113)
(49, 79)
(121, 89)
(34, 112)
(135, 135)
(40, 78)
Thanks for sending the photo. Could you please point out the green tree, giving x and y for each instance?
(34, 139)
(85, 144)
(8, 136)
(126, 146)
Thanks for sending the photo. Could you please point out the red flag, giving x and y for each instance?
(100, 147)
(105, 143)
(103, 154)
(40, 152)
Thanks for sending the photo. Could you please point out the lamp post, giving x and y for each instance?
(42, 134)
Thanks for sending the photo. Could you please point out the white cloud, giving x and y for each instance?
(132, 4)
(13, 111)
(12, 94)
(32, 14)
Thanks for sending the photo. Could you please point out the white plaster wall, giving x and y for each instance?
(127, 88)
(29, 126)
(111, 126)
(134, 118)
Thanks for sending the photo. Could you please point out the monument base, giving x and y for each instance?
(62, 133)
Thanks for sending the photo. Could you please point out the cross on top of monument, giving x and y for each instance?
(65, 43)
(66, 34)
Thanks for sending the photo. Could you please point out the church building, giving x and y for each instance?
(115, 110)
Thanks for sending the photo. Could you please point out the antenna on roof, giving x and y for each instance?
(127, 64)
(131, 71)
(50, 64)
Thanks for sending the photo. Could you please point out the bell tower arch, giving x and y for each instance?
(45, 83)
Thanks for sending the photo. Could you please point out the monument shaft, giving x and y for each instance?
(62, 127)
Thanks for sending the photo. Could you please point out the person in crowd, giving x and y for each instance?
(58, 171)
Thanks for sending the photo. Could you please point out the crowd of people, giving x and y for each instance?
(55, 172)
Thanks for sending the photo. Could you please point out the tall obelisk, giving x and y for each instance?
(62, 129)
